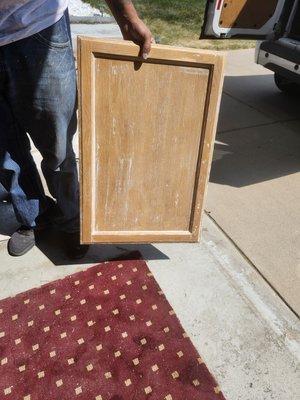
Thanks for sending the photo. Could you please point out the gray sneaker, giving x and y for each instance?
(21, 241)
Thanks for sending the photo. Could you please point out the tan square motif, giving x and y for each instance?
(132, 317)
(116, 311)
(149, 274)
(1, 310)
(107, 328)
(76, 283)
(30, 323)
(82, 302)
(2, 334)
(185, 335)
(27, 397)
(175, 375)
(138, 301)
(7, 390)
(35, 347)
(80, 341)
(59, 383)
(154, 307)
(42, 307)
(89, 367)
(200, 361)
(46, 328)
(57, 312)
(196, 382)
(63, 335)
(4, 361)
(107, 375)
(124, 334)
(168, 397)
(134, 269)
(22, 368)
(136, 361)
(148, 389)
(71, 361)
(128, 283)
(161, 347)
(99, 347)
(217, 390)
(41, 374)
(180, 354)
(155, 368)
(98, 307)
(117, 354)
(143, 341)
(99, 397)
(91, 287)
(67, 296)
(122, 297)
(120, 266)
(113, 278)
(52, 291)
(149, 323)
(106, 291)
(144, 287)
(78, 390)
(18, 341)
(99, 273)
(26, 301)
(166, 329)
(128, 382)
(52, 353)
(171, 312)
(91, 323)
(73, 318)
(14, 317)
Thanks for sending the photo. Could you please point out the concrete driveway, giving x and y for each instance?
(254, 190)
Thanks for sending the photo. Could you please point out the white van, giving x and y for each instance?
(275, 22)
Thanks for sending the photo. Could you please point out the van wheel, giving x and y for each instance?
(286, 85)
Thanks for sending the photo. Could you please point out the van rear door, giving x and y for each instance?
(253, 19)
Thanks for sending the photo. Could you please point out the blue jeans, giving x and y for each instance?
(38, 97)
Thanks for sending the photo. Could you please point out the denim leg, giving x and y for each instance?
(26, 210)
(26, 205)
(42, 93)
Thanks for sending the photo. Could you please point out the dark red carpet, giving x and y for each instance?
(104, 334)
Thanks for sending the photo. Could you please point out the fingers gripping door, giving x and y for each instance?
(241, 18)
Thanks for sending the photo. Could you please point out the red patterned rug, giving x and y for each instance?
(107, 333)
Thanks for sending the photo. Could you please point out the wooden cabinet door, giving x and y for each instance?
(146, 141)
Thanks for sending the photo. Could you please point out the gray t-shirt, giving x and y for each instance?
(23, 18)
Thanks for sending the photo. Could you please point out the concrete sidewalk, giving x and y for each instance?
(246, 335)
(254, 188)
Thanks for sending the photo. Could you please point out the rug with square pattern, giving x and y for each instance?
(107, 333)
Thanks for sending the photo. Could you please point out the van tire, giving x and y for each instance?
(286, 85)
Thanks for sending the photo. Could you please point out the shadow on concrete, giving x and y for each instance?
(260, 152)
(261, 93)
(50, 244)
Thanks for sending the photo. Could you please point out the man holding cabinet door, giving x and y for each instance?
(38, 97)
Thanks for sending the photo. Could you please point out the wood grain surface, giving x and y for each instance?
(147, 131)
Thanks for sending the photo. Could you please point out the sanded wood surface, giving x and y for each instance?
(246, 13)
(147, 131)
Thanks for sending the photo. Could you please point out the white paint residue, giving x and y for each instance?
(114, 125)
(176, 200)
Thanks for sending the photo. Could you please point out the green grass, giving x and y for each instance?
(178, 22)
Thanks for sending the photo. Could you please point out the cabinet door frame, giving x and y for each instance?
(88, 49)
